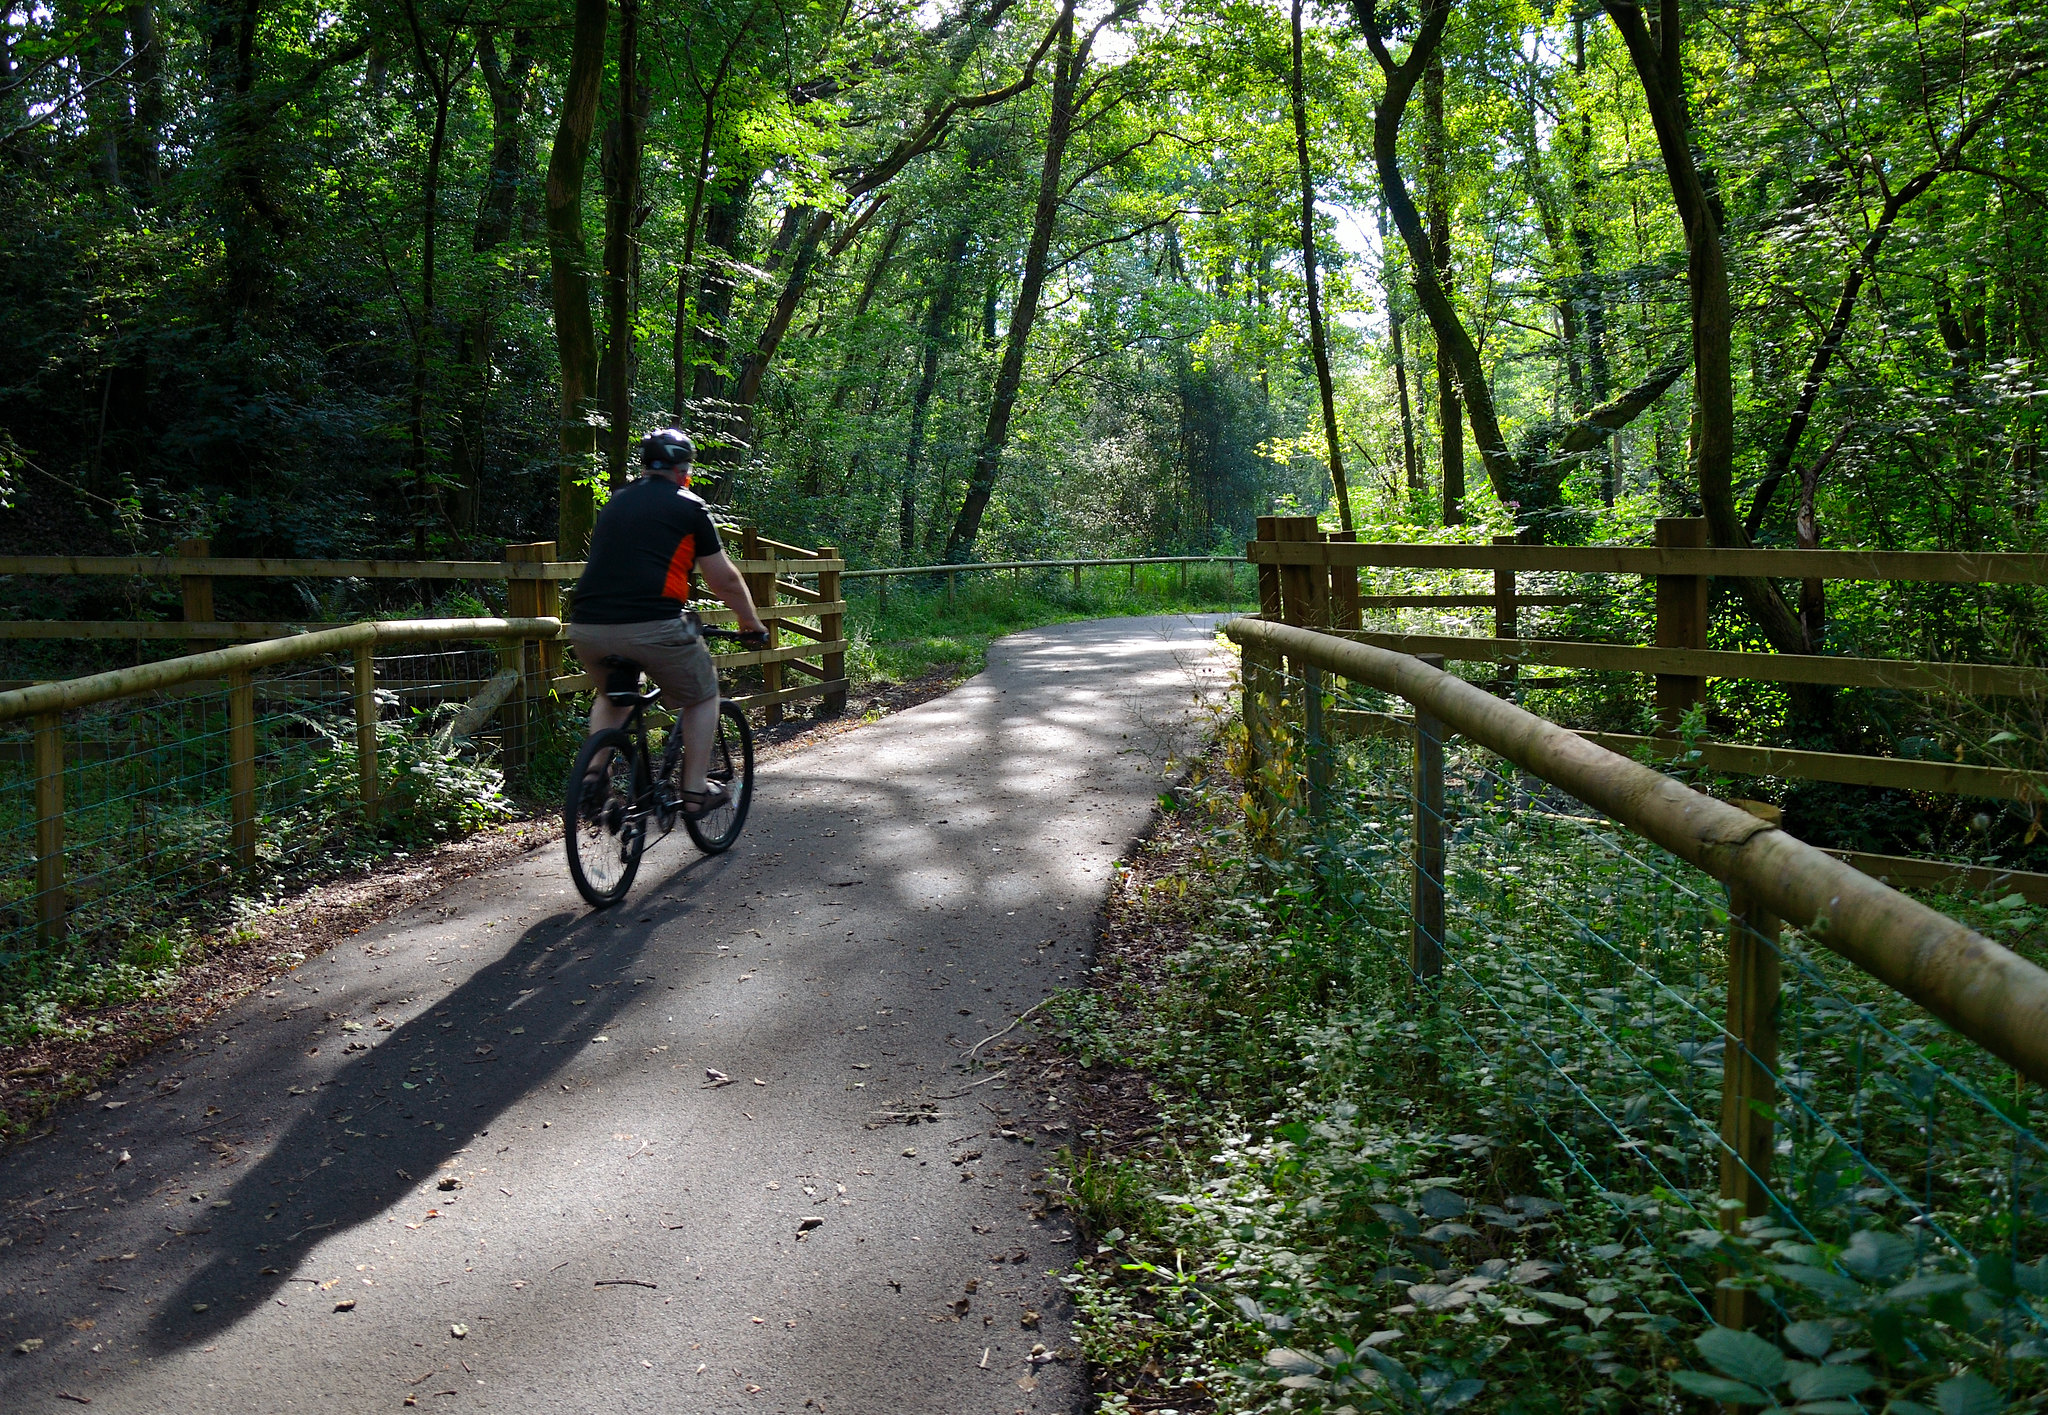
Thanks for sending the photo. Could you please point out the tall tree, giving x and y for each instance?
(1068, 101)
(1318, 343)
(569, 282)
(620, 161)
(1451, 364)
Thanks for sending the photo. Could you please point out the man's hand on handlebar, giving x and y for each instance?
(754, 638)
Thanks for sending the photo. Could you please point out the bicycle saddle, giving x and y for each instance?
(622, 683)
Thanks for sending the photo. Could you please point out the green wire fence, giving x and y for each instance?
(1810, 1154)
(134, 803)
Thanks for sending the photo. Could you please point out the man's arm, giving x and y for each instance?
(723, 579)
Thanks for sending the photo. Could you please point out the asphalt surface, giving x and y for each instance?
(473, 1159)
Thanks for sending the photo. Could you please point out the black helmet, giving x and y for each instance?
(667, 449)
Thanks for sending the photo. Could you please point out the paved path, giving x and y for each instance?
(486, 1125)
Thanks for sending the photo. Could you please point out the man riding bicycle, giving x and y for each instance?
(631, 603)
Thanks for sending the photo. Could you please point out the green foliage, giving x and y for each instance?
(1507, 1198)
(148, 849)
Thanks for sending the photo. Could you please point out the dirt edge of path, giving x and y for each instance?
(38, 1077)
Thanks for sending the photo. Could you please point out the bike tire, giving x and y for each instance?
(605, 839)
(732, 762)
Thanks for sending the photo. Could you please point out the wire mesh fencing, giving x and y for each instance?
(132, 828)
(1802, 1150)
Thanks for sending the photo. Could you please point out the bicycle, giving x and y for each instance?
(605, 820)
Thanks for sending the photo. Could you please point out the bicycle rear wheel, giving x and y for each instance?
(732, 762)
(601, 831)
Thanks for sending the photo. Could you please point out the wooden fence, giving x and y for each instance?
(810, 664)
(1310, 578)
(1985, 992)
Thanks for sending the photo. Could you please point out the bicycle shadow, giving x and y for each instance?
(387, 1121)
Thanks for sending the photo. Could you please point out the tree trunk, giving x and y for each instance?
(1657, 64)
(938, 315)
(100, 56)
(569, 285)
(435, 71)
(144, 143)
(739, 413)
(506, 82)
(1436, 196)
(995, 437)
(1317, 342)
(621, 163)
(1390, 288)
(1591, 302)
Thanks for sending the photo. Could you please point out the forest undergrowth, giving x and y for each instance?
(1349, 1199)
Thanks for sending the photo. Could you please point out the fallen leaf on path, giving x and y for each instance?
(80, 1399)
(346, 1304)
(1029, 1321)
(458, 1331)
(807, 1223)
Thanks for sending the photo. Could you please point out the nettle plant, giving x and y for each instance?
(1878, 1314)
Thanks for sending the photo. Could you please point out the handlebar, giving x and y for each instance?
(733, 634)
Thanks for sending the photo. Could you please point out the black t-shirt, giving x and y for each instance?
(647, 537)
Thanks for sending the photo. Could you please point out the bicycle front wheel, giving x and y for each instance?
(732, 763)
(601, 830)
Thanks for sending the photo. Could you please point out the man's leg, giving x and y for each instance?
(700, 729)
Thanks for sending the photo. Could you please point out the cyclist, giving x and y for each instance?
(630, 603)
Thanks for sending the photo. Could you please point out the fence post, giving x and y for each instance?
(242, 766)
(1344, 609)
(365, 686)
(1318, 748)
(832, 624)
(1183, 577)
(1504, 615)
(537, 599)
(198, 589)
(1426, 940)
(50, 901)
(1077, 577)
(1270, 601)
(1681, 619)
(952, 583)
(762, 587)
(1749, 1066)
(524, 600)
(881, 595)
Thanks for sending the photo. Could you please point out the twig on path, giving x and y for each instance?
(1020, 1018)
(955, 1095)
(622, 1282)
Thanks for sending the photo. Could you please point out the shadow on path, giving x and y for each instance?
(387, 1121)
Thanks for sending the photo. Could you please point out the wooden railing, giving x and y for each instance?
(533, 580)
(1987, 993)
(1311, 578)
(46, 703)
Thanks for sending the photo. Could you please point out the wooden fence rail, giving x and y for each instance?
(1309, 578)
(1985, 992)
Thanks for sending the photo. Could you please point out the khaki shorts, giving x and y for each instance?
(670, 650)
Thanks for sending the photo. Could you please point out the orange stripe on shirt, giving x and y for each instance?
(677, 584)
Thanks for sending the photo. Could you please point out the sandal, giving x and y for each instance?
(699, 804)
